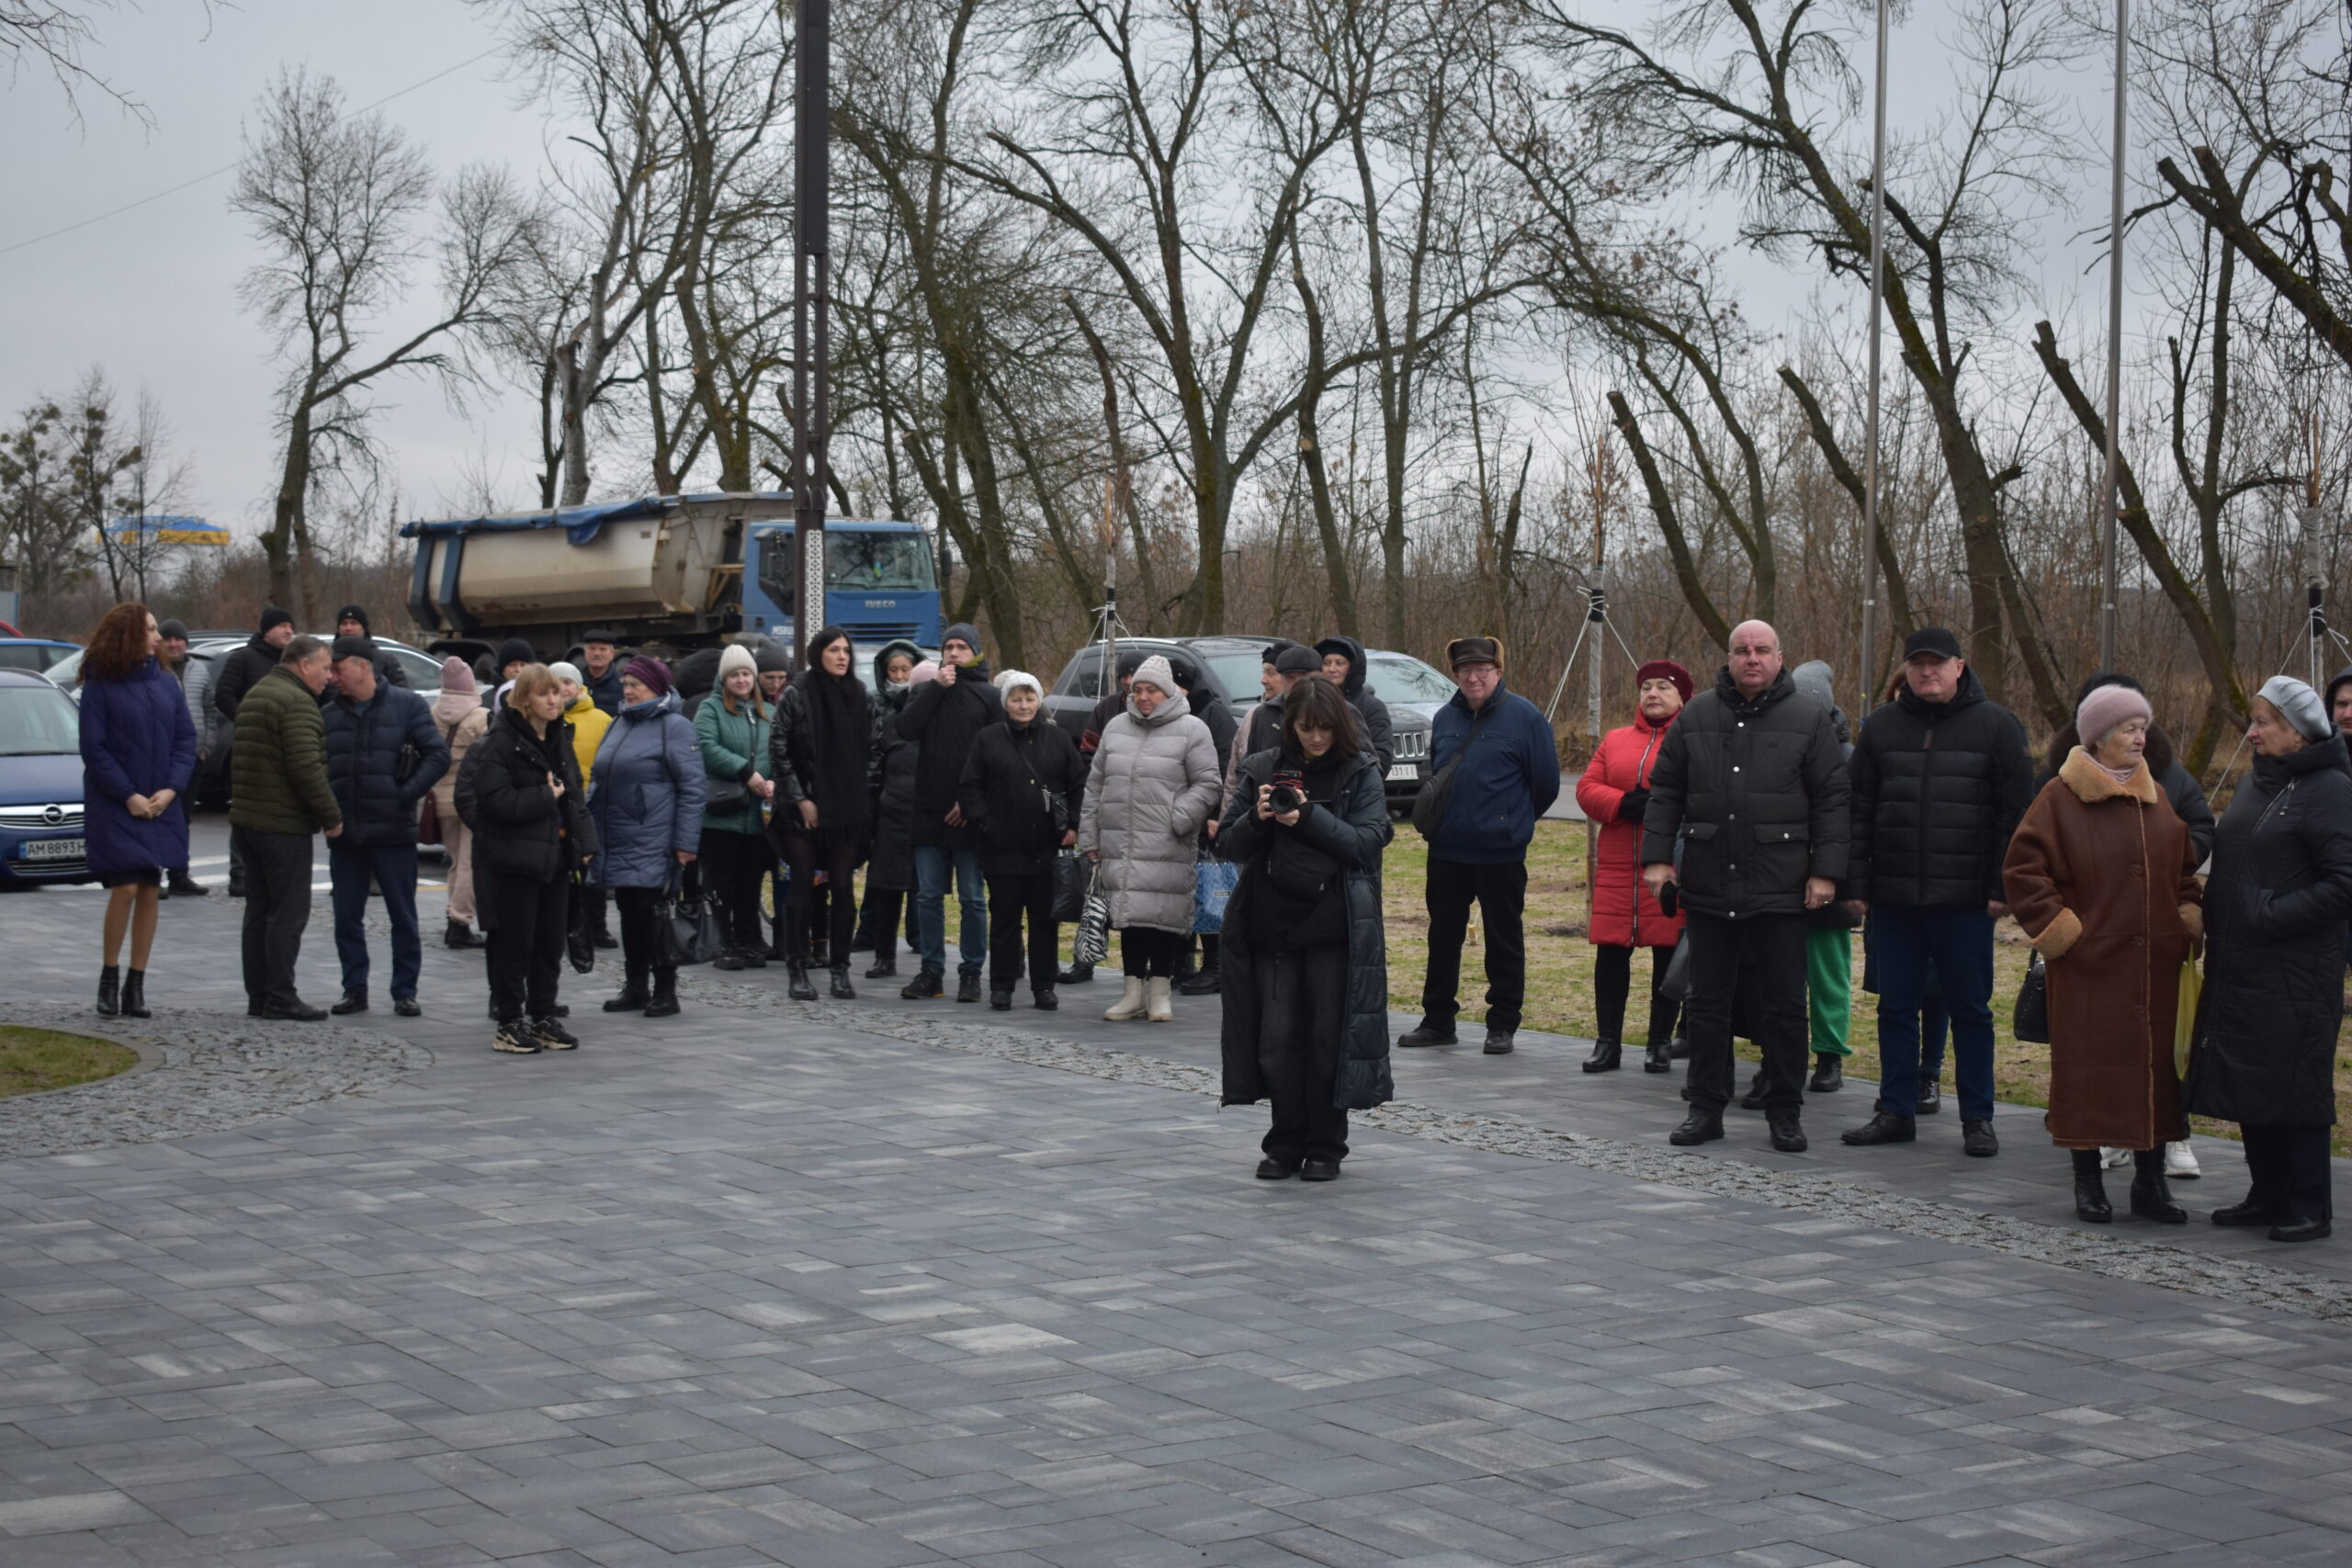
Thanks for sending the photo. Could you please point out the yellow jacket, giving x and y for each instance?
(588, 723)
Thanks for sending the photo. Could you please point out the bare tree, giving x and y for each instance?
(336, 201)
(51, 35)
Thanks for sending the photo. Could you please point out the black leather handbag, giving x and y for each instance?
(2031, 1022)
(688, 925)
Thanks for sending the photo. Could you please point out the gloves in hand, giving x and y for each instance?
(1632, 805)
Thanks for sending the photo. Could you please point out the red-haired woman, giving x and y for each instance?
(138, 754)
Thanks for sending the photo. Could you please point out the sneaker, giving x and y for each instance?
(967, 988)
(515, 1038)
(927, 983)
(1787, 1133)
(1829, 1073)
(2114, 1159)
(1931, 1099)
(1976, 1138)
(1425, 1035)
(554, 1036)
(2180, 1162)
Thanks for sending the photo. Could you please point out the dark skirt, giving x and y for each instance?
(133, 876)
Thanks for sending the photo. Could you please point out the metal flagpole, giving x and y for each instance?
(811, 324)
(2111, 488)
(1866, 667)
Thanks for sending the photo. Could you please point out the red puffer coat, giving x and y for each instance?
(1624, 913)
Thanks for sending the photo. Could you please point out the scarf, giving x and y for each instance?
(2120, 775)
(841, 727)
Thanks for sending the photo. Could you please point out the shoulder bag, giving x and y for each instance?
(1428, 801)
(2031, 1022)
(687, 924)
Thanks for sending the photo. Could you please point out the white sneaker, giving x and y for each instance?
(2113, 1160)
(2180, 1162)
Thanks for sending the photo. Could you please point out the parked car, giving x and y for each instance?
(41, 783)
(1233, 664)
(38, 654)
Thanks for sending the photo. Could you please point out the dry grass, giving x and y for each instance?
(35, 1060)
(1559, 972)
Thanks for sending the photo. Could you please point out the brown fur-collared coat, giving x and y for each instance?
(2102, 876)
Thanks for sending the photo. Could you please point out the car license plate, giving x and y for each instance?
(51, 849)
(1405, 771)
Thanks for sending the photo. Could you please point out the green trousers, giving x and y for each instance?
(1829, 988)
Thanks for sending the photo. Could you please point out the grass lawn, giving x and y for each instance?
(35, 1059)
(1559, 972)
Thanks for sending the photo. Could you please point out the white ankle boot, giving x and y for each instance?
(1162, 1007)
(1130, 1003)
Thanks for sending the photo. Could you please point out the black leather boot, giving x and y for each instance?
(2151, 1198)
(1606, 1055)
(134, 994)
(665, 994)
(2091, 1190)
(1829, 1073)
(842, 990)
(1659, 1058)
(109, 991)
(802, 989)
(633, 995)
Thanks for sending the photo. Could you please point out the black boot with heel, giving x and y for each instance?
(2151, 1197)
(109, 991)
(134, 994)
(2090, 1190)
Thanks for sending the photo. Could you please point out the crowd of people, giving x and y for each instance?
(1746, 833)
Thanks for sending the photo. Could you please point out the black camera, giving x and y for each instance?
(1289, 792)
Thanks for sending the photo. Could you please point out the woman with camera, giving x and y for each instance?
(1022, 789)
(1155, 782)
(1305, 962)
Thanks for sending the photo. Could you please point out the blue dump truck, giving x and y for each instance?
(674, 571)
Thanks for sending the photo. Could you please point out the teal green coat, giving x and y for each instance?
(734, 745)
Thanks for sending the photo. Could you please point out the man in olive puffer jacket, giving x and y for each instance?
(279, 797)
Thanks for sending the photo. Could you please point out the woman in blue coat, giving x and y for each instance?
(647, 801)
(138, 754)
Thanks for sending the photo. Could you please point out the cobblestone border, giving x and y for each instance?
(2116, 1257)
(216, 1073)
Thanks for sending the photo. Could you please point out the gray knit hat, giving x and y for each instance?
(2298, 706)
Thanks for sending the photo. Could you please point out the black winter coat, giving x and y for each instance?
(792, 749)
(1757, 794)
(239, 670)
(526, 832)
(364, 742)
(1937, 790)
(2276, 907)
(1003, 794)
(1379, 729)
(1355, 835)
(943, 722)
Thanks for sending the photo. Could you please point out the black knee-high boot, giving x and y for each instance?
(2090, 1188)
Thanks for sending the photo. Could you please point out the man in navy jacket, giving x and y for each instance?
(383, 752)
(1510, 776)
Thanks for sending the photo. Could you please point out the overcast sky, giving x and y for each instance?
(151, 295)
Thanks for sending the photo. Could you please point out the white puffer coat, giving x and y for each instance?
(1155, 782)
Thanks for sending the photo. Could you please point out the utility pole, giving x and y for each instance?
(1866, 666)
(811, 314)
(2110, 499)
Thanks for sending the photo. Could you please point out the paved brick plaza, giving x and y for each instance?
(876, 1285)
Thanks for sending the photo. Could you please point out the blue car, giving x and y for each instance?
(41, 783)
(36, 653)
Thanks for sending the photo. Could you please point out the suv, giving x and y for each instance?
(1232, 665)
(41, 783)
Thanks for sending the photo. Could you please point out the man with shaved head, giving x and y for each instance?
(1746, 824)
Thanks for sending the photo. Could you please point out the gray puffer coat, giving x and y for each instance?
(1154, 783)
(647, 797)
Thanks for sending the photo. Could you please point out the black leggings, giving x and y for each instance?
(1148, 952)
(640, 941)
(733, 866)
(805, 854)
(1612, 984)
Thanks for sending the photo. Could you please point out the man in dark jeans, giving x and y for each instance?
(1509, 775)
(1752, 784)
(279, 797)
(1940, 777)
(383, 752)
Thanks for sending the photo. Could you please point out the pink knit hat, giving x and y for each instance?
(457, 676)
(2106, 708)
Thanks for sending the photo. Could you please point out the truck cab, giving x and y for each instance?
(881, 581)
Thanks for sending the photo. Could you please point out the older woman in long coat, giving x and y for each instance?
(2102, 876)
(1154, 783)
(2275, 911)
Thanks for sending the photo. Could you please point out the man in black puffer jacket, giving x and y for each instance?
(1750, 787)
(943, 717)
(384, 751)
(1940, 776)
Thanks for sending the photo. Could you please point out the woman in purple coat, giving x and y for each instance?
(138, 755)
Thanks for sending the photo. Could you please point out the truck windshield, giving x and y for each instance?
(860, 562)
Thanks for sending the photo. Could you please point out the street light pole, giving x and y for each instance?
(1866, 665)
(811, 313)
(2110, 483)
